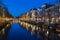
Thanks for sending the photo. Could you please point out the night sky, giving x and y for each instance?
(18, 7)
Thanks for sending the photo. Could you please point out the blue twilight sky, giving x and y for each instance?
(18, 7)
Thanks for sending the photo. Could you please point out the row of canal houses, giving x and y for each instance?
(4, 11)
(4, 25)
(47, 13)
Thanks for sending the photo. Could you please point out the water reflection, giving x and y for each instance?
(17, 32)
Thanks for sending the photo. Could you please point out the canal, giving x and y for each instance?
(17, 32)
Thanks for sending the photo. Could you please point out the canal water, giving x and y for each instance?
(17, 32)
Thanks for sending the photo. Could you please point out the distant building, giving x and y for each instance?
(4, 11)
(48, 12)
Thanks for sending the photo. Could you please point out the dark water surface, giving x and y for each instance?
(17, 32)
